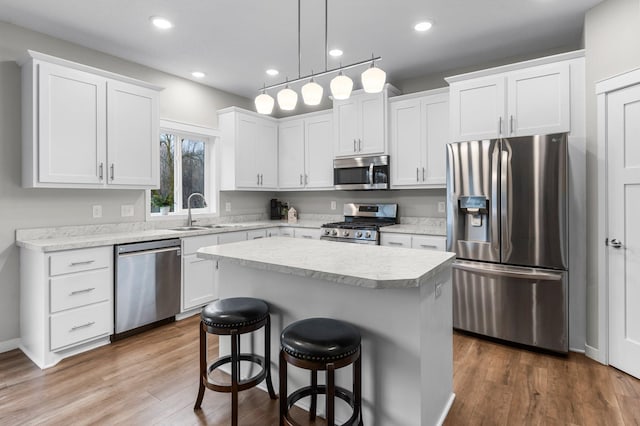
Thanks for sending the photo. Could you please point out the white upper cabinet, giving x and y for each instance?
(249, 150)
(305, 156)
(530, 101)
(419, 133)
(359, 123)
(87, 128)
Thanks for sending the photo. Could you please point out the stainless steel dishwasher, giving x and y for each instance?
(147, 283)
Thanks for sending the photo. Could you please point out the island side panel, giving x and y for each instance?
(392, 323)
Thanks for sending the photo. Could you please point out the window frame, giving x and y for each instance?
(212, 174)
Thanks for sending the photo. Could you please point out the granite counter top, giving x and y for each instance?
(352, 264)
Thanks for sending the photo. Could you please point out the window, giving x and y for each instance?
(186, 167)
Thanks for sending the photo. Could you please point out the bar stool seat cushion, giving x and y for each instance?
(320, 339)
(234, 312)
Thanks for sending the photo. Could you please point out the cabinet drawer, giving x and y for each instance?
(429, 243)
(310, 234)
(77, 325)
(80, 260)
(75, 290)
(256, 234)
(395, 240)
(192, 244)
(286, 232)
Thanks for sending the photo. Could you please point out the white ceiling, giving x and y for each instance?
(235, 41)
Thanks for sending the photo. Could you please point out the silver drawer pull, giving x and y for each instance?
(257, 238)
(78, 327)
(395, 243)
(85, 262)
(86, 290)
(307, 236)
(428, 246)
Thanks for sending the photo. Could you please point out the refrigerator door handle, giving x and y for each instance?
(495, 200)
(505, 199)
(531, 274)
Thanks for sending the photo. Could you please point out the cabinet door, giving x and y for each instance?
(267, 154)
(477, 109)
(346, 130)
(426, 242)
(319, 152)
(247, 175)
(539, 101)
(200, 281)
(435, 112)
(371, 139)
(72, 125)
(133, 139)
(395, 240)
(406, 142)
(291, 154)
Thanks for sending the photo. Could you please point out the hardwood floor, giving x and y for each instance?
(152, 378)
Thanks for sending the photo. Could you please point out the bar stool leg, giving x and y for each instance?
(203, 367)
(314, 395)
(267, 358)
(235, 377)
(283, 387)
(357, 387)
(331, 394)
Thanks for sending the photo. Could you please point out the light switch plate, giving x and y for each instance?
(441, 207)
(227, 206)
(333, 205)
(126, 210)
(97, 211)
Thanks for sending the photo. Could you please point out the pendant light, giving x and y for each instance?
(264, 103)
(341, 86)
(373, 78)
(312, 92)
(287, 99)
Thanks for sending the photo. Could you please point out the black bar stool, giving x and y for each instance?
(233, 317)
(321, 344)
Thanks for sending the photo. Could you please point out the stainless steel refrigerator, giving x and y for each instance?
(507, 223)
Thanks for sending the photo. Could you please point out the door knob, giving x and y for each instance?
(614, 243)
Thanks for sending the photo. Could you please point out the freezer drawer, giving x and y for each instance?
(522, 305)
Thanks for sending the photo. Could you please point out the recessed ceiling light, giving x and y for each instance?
(423, 26)
(198, 74)
(272, 71)
(335, 52)
(160, 22)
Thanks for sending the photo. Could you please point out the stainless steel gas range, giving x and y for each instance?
(362, 223)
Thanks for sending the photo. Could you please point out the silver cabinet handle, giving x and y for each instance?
(307, 237)
(371, 173)
(306, 179)
(113, 173)
(258, 182)
(359, 145)
(257, 238)
(395, 243)
(417, 174)
(86, 290)
(511, 124)
(101, 172)
(423, 179)
(261, 179)
(84, 262)
(78, 327)
(500, 126)
(300, 179)
(354, 146)
(428, 246)
(615, 243)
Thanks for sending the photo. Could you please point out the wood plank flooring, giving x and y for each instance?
(152, 378)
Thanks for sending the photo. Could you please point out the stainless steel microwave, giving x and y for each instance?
(361, 172)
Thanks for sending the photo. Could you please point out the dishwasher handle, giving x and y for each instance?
(160, 250)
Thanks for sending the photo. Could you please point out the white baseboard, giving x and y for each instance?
(446, 409)
(596, 354)
(9, 345)
(580, 351)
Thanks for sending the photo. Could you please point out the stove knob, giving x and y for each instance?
(367, 234)
(334, 232)
(358, 234)
(346, 233)
(327, 232)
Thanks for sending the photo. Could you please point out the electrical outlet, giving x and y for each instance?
(441, 207)
(97, 211)
(126, 210)
(227, 206)
(333, 205)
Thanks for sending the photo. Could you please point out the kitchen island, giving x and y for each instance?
(399, 299)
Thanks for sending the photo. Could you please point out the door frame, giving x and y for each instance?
(602, 90)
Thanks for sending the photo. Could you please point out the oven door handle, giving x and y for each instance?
(370, 173)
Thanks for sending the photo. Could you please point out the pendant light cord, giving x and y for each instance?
(326, 32)
(299, 54)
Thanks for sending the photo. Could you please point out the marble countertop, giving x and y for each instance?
(352, 264)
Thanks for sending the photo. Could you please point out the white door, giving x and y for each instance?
(291, 154)
(200, 284)
(247, 175)
(371, 139)
(623, 163)
(133, 136)
(477, 109)
(435, 112)
(267, 154)
(406, 142)
(72, 125)
(345, 120)
(319, 151)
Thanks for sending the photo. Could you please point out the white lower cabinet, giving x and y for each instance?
(66, 302)
(286, 232)
(272, 232)
(424, 242)
(308, 233)
(256, 234)
(199, 276)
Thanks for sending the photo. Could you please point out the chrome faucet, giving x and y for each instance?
(189, 218)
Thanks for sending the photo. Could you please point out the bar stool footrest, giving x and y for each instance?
(242, 384)
(342, 393)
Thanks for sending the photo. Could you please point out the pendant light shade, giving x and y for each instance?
(264, 103)
(287, 99)
(312, 93)
(373, 79)
(341, 87)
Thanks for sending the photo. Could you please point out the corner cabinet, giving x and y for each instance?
(419, 132)
(87, 128)
(305, 152)
(523, 102)
(360, 123)
(249, 150)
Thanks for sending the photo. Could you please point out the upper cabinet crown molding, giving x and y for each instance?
(87, 128)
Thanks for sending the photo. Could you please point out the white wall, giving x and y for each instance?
(182, 100)
(612, 42)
